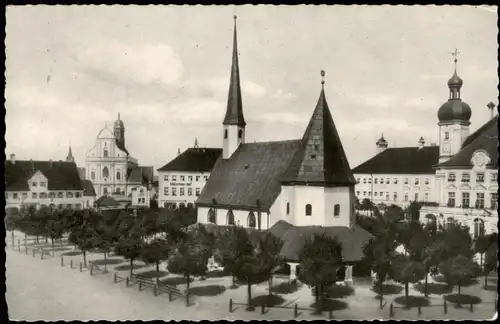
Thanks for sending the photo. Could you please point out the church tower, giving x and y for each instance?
(234, 122)
(381, 144)
(119, 134)
(454, 116)
(70, 157)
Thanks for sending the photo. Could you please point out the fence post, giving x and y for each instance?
(391, 311)
(41, 254)
(26, 250)
(114, 277)
(81, 268)
(33, 252)
(140, 285)
(154, 289)
(262, 309)
(126, 283)
(170, 296)
(18, 245)
(187, 299)
(445, 308)
(230, 305)
(71, 264)
(381, 302)
(419, 309)
(62, 260)
(296, 311)
(471, 307)
(91, 267)
(330, 314)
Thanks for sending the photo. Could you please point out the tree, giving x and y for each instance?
(482, 243)
(366, 204)
(413, 211)
(459, 269)
(432, 256)
(457, 241)
(320, 260)
(83, 232)
(130, 248)
(490, 261)
(407, 271)
(271, 246)
(155, 252)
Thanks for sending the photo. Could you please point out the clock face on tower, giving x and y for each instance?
(446, 148)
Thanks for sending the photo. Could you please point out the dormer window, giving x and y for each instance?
(313, 156)
(43, 184)
(34, 184)
(480, 177)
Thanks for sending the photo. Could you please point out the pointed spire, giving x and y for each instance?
(118, 115)
(234, 111)
(178, 151)
(321, 159)
(195, 143)
(69, 157)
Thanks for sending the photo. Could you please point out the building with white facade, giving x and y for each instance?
(181, 180)
(43, 183)
(304, 183)
(110, 167)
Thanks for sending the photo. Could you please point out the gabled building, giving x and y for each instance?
(110, 167)
(305, 182)
(88, 193)
(181, 180)
(42, 183)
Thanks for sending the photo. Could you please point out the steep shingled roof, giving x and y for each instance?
(61, 175)
(401, 160)
(88, 188)
(194, 160)
(253, 172)
(143, 174)
(321, 159)
(485, 138)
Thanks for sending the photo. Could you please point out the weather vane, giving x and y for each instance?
(455, 55)
(322, 77)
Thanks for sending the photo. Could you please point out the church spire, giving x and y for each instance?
(70, 157)
(234, 112)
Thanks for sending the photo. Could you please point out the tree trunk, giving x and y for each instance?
(407, 293)
(426, 283)
(459, 286)
(234, 281)
(188, 280)
(158, 270)
(37, 239)
(46, 239)
(52, 242)
(249, 295)
(481, 258)
(131, 267)
(485, 281)
(381, 287)
(105, 265)
(85, 259)
(270, 282)
(316, 294)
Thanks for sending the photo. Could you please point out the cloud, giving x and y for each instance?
(280, 117)
(280, 94)
(253, 89)
(141, 63)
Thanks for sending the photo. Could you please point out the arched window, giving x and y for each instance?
(118, 175)
(288, 208)
(117, 190)
(336, 210)
(190, 205)
(43, 195)
(240, 133)
(105, 153)
(450, 220)
(308, 210)
(182, 206)
(105, 172)
(251, 220)
(211, 216)
(230, 218)
(478, 228)
(225, 133)
(105, 190)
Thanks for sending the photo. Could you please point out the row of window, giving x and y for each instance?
(416, 180)
(182, 191)
(183, 178)
(466, 200)
(105, 174)
(466, 177)
(394, 197)
(61, 206)
(44, 195)
(42, 184)
(479, 229)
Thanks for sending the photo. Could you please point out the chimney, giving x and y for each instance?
(421, 142)
(491, 107)
(51, 164)
(13, 158)
(433, 144)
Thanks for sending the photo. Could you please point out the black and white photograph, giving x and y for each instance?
(251, 162)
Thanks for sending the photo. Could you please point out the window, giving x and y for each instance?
(181, 192)
(417, 181)
(364, 180)
(251, 220)
(34, 195)
(60, 194)
(465, 200)
(426, 197)
(78, 194)
(387, 181)
(364, 193)
(43, 195)
(92, 175)
(165, 191)
(225, 133)
(240, 133)
(381, 180)
(288, 208)
(118, 175)
(105, 172)
(105, 153)
(375, 181)
(105, 190)
(406, 180)
(494, 200)
(182, 178)
(43, 184)
(451, 177)
(369, 180)
(426, 181)
(406, 196)
(78, 206)
(190, 205)
(165, 177)
(70, 194)
(446, 135)
(212, 216)
(494, 176)
(34, 184)
(465, 177)
(6, 195)
(190, 178)
(478, 228)
(14, 195)
(197, 178)
(387, 196)
(381, 194)
(230, 218)
(197, 192)
(451, 199)
(480, 177)
(308, 210)
(205, 178)
(416, 196)
(69, 206)
(395, 180)
(52, 194)
(190, 191)
(25, 195)
(336, 210)
(174, 191)
(376, 193)
(174, 178)
(480, 200)
(357, 180)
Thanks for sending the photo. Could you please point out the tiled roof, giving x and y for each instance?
(106, 201)
(61, 175)
(88, 188)
(294, 237)
(401, 160)
(485, 138)
(253, 172)
(321, 159)
(194, 160)
(143, 174)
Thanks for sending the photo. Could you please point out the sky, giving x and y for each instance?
(165, 69)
